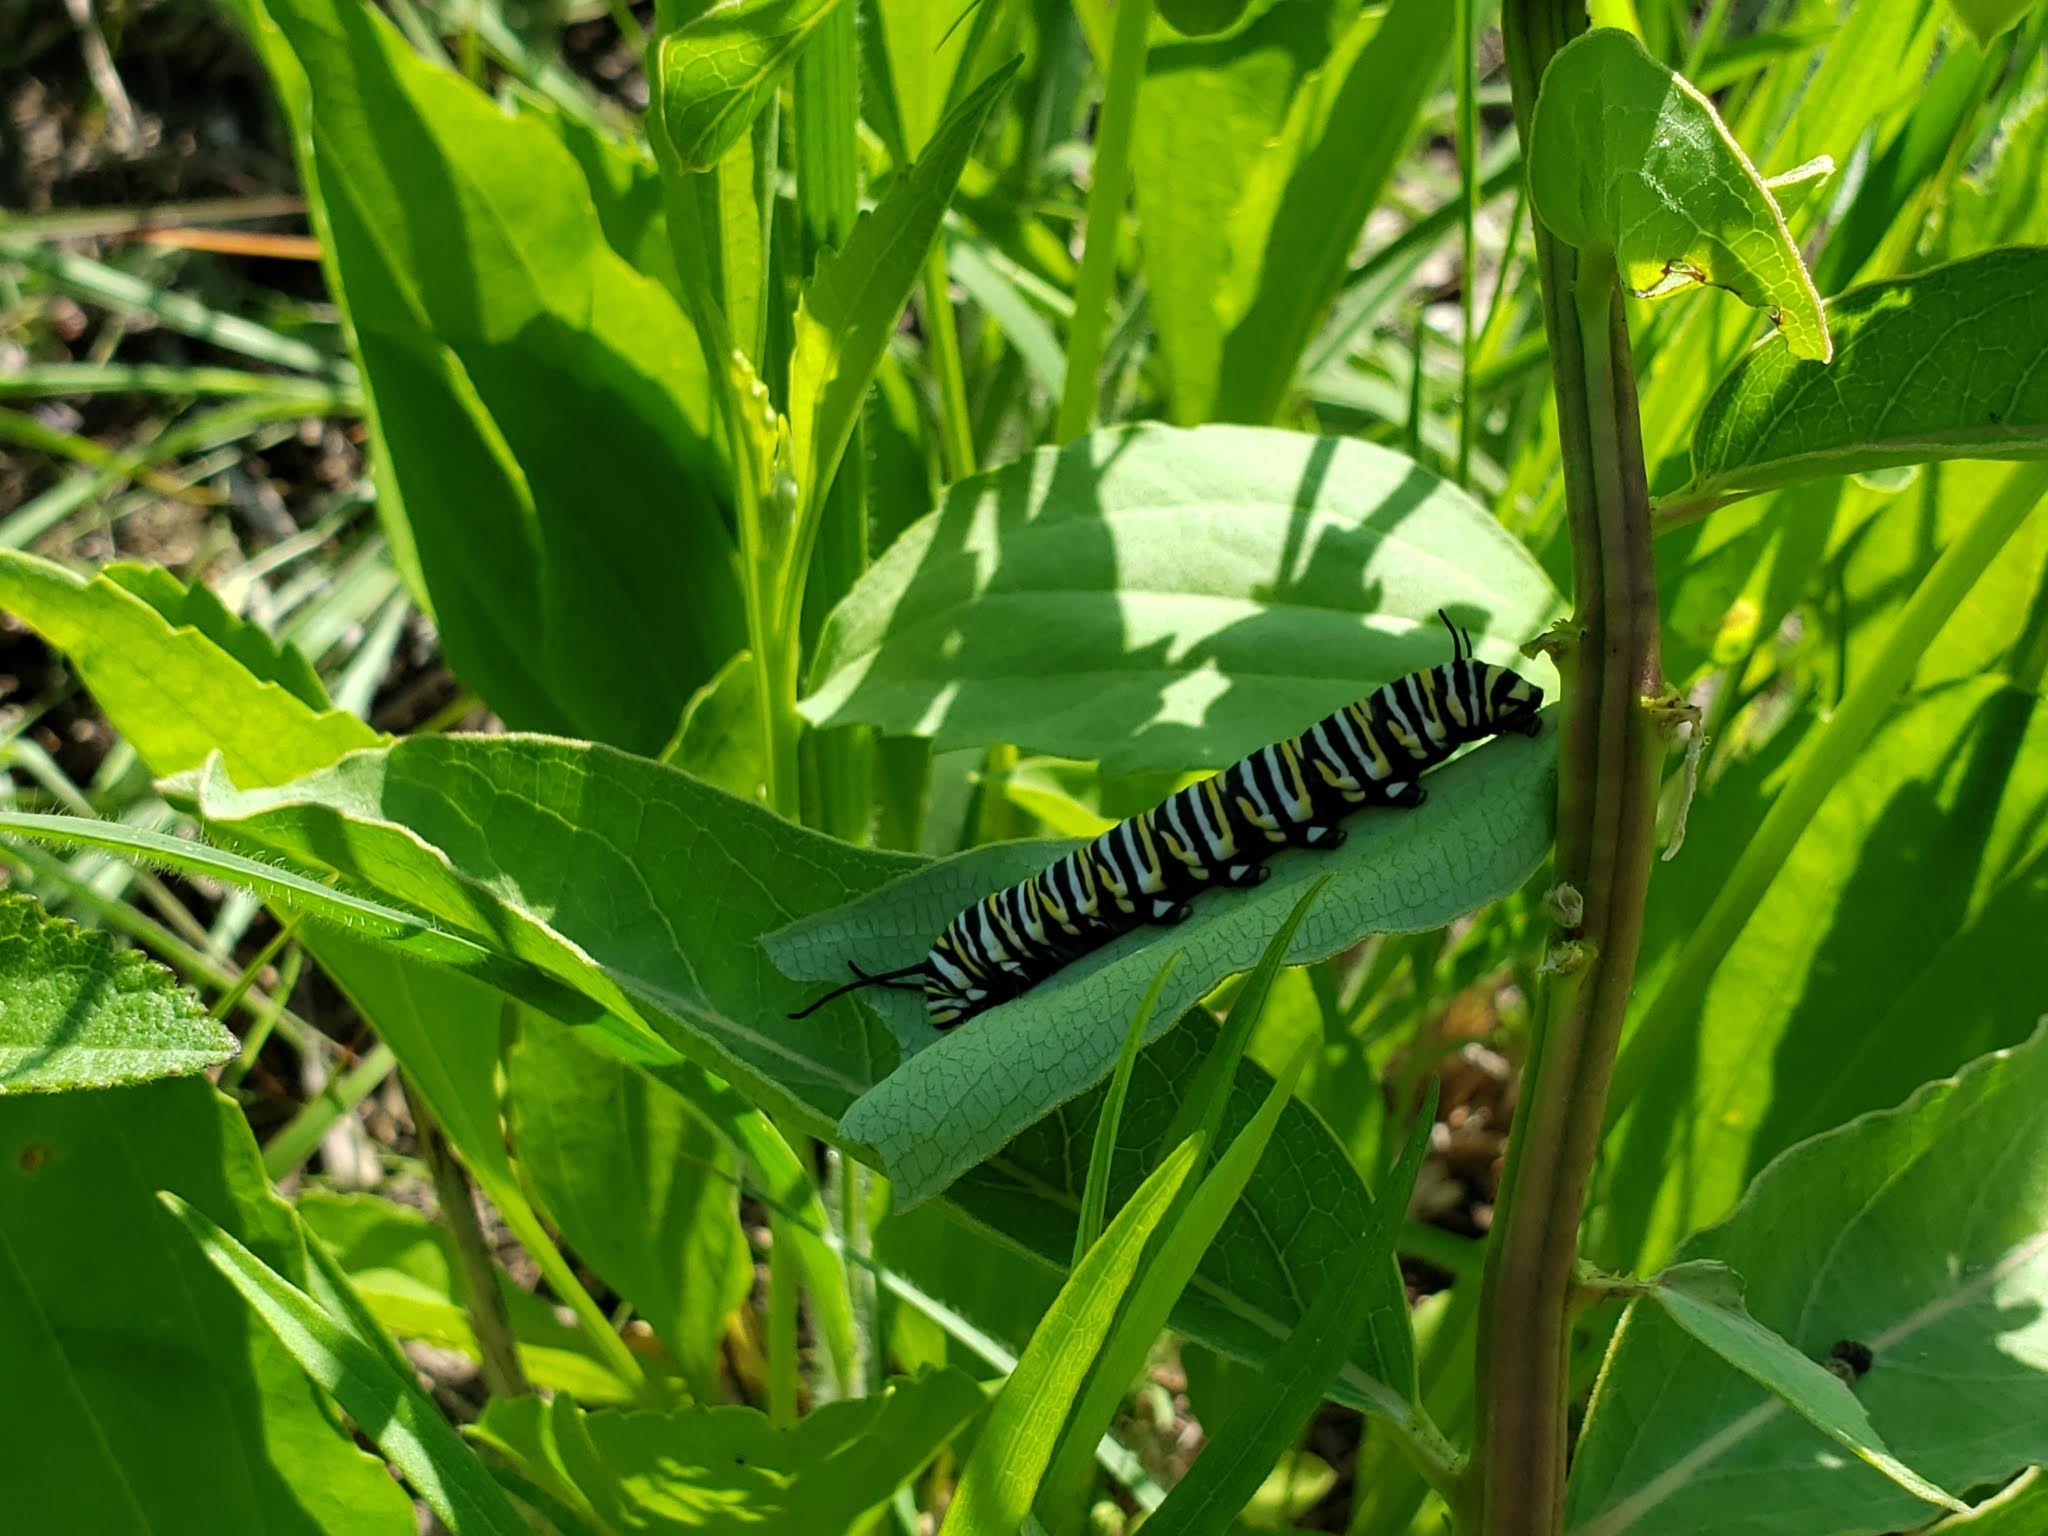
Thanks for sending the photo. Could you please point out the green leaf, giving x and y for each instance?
(1161, 598)
(174, 674)
(1010, 1456)
(1918, 1232)
(1309, 195)
(403, 1266)
(720, 68)
(1987, 18)
(142, 1397)
(656, 890)
(1263, 1425)
(959, 1096)
(729, 1471)
(1704, 1297)
(851, 304)
(196, 606)
(467, 250)
(1938, 365)
(719, 738)
(81, 1013)
(1208, 113)
(1907, 898)
(1625, 156)
(641, 1188)
(403, 931)
(392, 1410)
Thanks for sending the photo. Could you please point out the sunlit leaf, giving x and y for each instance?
(1626, 157)
(80, 1013)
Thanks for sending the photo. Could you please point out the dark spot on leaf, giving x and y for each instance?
(33, 1157)
(1850, 1358)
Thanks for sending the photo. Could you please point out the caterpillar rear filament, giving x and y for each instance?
(1218, 831)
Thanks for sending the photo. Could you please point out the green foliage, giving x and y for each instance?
(546, 524)
(1934, 366)
(393, 1411)
(142, 1395)
(728, 1471)
(1188, 597)
(714, 445)
(80, 1013)
(1627, 157)
(721, 67)
(1010, 1456)
(1861, 1234)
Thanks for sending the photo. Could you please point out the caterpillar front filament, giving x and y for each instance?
(1218, 831)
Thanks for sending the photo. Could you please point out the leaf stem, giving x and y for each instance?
(1609, 763)
(1820, 768)
(1111, 176)
(476, 1276)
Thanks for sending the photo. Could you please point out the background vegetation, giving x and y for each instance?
(535, 535)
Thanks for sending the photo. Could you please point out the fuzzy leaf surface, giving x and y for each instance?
(80, 1012)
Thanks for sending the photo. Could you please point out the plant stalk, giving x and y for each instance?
(1609, 762)
(1111, 177)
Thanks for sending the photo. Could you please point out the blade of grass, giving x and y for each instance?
(1209, 1095)
(1111, 177)
(1244, 1447)
(1016, 1442)
(98, 283)
(1095, 1194)
(290, 1147)
(315, 396)
(390, 1408)
(1467, 69)
(1183, 1241)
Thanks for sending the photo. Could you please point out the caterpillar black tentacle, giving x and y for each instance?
(1219, 831)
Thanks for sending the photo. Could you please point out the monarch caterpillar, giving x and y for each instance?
(1217, 831)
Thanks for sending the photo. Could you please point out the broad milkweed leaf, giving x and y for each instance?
(1163, 598)
(1095, 1194)
(1241, 1448)
(1010, 1456)
(1625, 156)
(720, 68)
(1919, 1233)
(469, 254)
(638, 883)
(142, 1395)
(198, 608)
(1943, 364)
(391, 1409)
(81, 1013)
(959, 1096)
(1704, 1297)
(850, 306)
(729, 1471)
